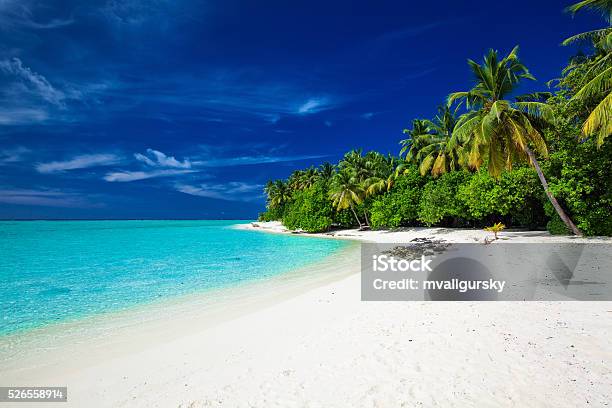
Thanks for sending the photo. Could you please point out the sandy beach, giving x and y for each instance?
(311, 342)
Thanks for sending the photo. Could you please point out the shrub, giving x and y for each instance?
(439, 202)
(399, 206)
(309, 210)
(516, 197)
(556, 226)
(271, 214)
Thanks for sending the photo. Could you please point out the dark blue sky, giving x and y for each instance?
(183, 109)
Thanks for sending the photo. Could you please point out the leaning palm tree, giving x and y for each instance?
(346, 192)
(499, 131)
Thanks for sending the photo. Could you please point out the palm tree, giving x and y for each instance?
(346, 192)
(278, 193)
(597, 92)
(498, 130)
(429, 149)
(412, 145)
(602, 6)
(327, 171)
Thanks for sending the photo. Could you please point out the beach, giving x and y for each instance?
(314, 343)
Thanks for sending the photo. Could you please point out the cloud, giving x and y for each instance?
(19, 116)
(46, 198)
(250, 160)
(313, 105)
(33, 81)
(231, 191)
(79, 162)
(368, 115)
(20, 14)
(13, 155)
(156, 158)
(127, 176)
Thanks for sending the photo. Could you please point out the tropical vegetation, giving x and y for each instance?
(488, 157)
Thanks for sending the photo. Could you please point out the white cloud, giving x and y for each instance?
(35, 82)
(79, 162)
(19, 116)
(232, 191)
(127, 176)
(13, 155)
(156, 158)
(313, 105)
(250, 160)
(46, 198)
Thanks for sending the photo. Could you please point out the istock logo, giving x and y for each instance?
(383, 263)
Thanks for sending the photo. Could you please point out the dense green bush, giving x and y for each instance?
(439, 203)
(580, 176)
(272, 214)
(309, 210)
(515, 199)
(399, 206)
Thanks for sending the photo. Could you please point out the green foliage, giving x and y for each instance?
(272, 214)
(496, 133)
(516, 197)
(556, 226)
(439, 203)
(309, 210)
(399, 206)
(579, 175)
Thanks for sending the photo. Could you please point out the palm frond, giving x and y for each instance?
(600, 120)
(600, 84)
(537, 110)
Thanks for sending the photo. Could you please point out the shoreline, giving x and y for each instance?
(138, 324)
(404, 235)
(305, 338)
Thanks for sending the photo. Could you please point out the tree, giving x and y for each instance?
(429, 149)
(596, 92)
(278, 193)
(498, 131)
(346, 192)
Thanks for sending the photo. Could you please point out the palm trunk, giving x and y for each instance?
(568, 222)
(365, 214)
(356, 217)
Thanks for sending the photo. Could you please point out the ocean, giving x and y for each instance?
(57, 271)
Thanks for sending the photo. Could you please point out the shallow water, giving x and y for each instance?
(55, 271)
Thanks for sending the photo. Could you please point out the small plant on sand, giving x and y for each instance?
(495, 228)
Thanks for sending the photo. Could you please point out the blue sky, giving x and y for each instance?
(183, 109)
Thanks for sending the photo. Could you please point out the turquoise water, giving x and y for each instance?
(54, 271)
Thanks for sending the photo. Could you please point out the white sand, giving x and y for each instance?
(322, 347)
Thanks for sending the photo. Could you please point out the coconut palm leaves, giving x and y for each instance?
(597, 92)
(498, 131)
(428, 144)
(604, 7)
(346, 192)
(278, 193)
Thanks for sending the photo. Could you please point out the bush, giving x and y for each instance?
(399, 206)
(271, 214)
(579, 176)
(309, 210)
(556, 226)
(516, 197)
(439, 202)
